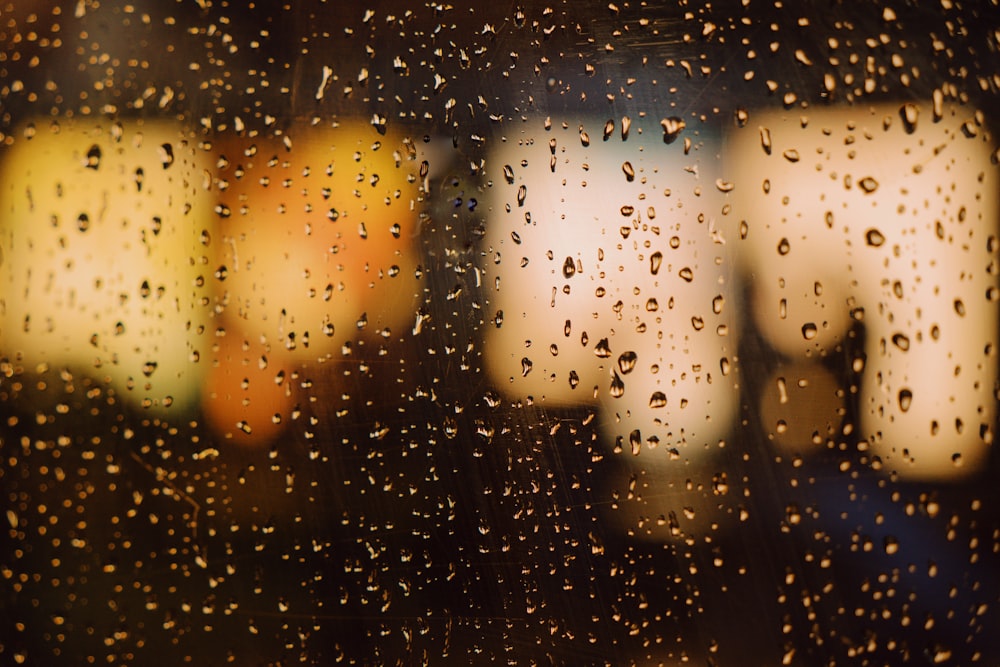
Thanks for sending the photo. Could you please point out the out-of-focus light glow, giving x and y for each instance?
(611, 284)
(102, 270)
(862, 215)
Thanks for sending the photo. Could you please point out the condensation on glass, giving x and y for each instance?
(568, 333)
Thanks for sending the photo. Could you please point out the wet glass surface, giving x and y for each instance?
(579, 333)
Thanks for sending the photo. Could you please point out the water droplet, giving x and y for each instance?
(902, 341)
(960, 307)
(686, 273)
(508, 174)
(874, 237)
(784, 246)
(83, 222)
(626, 126)
(93, 160)
(654, 262)
(569, 268)
(868, 184)
(628, 171)
(717, 303)
(166, 155)
(526, 366)
(657, 399)
(627, 210)
(672, 128)
(698, 323)
(602, 349)
(522, 192)
(627, 361)
(905, 399)
(891, 545)
(938, 102)
(574, 379)
(742, 117)
(617, 388)
(809, 330)
(909, 112)
(635, 440)
(723, 186)
(791, 155)
(765, 140)
(609, 129)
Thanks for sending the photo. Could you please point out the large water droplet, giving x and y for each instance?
(765, 140)
(657, 399)
(628, 170)
(905, 399)
(617, 388)
(569, 268)
(874, 237)
(672, 128)
(627, 361)
(166, 155)
(635, 440)
(909, 112)
(93, 160)
(809, 330)
(602, 349)
(868, 184)
(686, 273)
(902, 341)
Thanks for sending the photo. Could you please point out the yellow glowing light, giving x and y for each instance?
(101, 266)
(316, 245)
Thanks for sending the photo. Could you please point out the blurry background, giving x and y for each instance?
(540, 333)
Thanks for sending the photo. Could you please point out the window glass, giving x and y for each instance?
(541, 333)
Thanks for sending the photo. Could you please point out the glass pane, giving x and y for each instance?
(572, 333)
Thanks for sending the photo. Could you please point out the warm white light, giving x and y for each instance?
(608, 263)
(890, 216)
